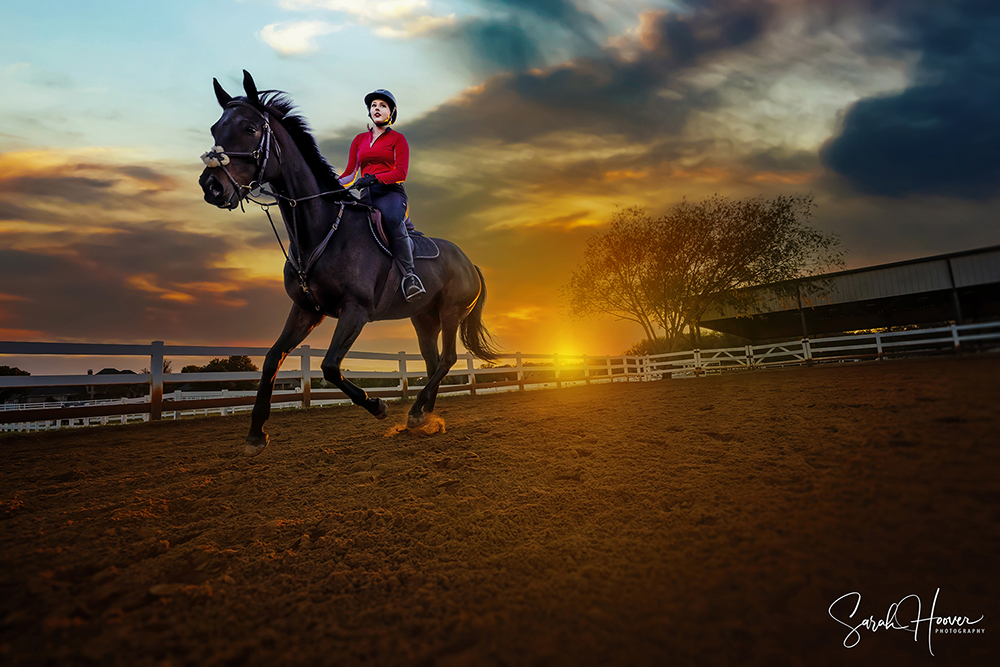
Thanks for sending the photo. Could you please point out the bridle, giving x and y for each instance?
(219, 157)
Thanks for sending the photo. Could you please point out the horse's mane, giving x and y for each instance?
(280, 105)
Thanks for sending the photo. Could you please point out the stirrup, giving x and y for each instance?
(412, 287)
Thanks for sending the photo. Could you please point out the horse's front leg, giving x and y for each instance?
(298, 325)
(351, 321)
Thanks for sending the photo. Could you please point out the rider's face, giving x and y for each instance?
(379, 111)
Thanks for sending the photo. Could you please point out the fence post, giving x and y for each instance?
(558, 379)
(404, 382)
(520, 373)
(156, 380)
(698, 370)
(586, 369)
(807, 351)
(607, 361)
(878, 345)
(472, 374)
(306, 379)
(954, 337)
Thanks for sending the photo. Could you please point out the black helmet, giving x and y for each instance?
(382, 94)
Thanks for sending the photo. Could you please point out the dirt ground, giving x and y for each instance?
(699, 521)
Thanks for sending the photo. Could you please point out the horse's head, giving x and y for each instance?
(244, 155)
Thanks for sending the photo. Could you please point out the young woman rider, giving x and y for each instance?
(377, 165)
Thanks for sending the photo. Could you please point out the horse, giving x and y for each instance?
(335, 267)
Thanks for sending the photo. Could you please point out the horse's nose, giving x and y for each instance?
(212, 187)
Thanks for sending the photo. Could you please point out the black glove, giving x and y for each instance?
(366, 181)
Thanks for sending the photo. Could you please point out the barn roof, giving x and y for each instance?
(959, 287)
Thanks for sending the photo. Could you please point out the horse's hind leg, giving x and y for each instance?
(449, 355)
(349, 325)
(298, 325)
(428, 327)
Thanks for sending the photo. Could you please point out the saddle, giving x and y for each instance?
(423, 246)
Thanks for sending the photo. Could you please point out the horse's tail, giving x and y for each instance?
(475, 336)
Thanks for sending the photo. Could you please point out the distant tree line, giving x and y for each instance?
(664, 272)
(231, 364)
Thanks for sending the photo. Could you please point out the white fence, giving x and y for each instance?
(520, 372)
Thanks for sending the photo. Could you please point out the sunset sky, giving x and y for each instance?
(529, 121)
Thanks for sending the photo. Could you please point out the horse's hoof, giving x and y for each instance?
(415, 420)
(255, 446)
(383, 410)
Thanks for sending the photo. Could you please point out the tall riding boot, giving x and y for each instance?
(402, 250)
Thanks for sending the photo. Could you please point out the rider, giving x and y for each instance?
(377, 165)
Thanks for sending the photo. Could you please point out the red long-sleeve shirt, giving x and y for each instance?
(387, 159)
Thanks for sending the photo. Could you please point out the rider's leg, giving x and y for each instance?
(393, 208)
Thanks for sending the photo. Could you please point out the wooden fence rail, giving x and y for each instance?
(519, 370)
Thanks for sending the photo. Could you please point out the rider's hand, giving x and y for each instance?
(365, 181)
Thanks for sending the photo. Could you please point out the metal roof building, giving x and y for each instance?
(958, 287)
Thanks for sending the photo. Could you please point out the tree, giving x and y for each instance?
(232, 364)
(10, 370)
(168, 366)
(612, 278)
(665, 272)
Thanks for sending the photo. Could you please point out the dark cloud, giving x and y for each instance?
(148, 175)
(559, 11)
(515, 34)
(711, 26)
(79, 189)
(612, 93)
(940, 135)
(91, 187)
(777, 159)
(11, 211)
(138, 284)
(496, 44)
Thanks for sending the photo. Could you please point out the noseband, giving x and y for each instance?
(219, 157)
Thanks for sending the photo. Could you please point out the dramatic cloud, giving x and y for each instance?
(635, 95)
(939, 136)
(575, 107)
(493, 45)
(134, 283)
(515, 35)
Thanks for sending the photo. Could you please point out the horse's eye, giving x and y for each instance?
(251, 129)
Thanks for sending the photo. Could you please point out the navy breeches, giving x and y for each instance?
(391, 201)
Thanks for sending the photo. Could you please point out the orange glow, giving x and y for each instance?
(525, 313)
(21, 334)
(22, 163)
(788, 178)
(145, 284)
(212, 288)
(621, 174)
(704, 174)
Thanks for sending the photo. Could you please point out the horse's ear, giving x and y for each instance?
(250, 87)
(221, 95)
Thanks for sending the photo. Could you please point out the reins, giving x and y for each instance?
(301, 271)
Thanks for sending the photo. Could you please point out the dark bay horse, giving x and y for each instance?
(335, 266)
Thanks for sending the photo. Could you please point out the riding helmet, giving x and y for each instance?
(382, 94)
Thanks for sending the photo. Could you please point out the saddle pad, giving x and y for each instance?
(424, 247)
